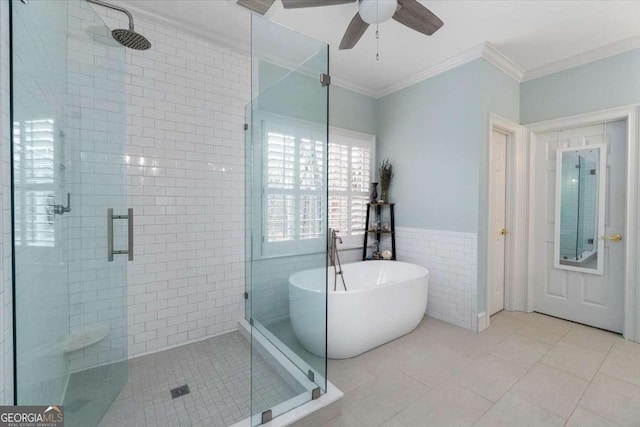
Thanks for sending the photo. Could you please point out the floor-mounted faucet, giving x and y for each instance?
(334, 258)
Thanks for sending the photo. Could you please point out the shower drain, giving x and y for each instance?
(180, 391)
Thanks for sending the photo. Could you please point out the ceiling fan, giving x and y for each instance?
(407, 12)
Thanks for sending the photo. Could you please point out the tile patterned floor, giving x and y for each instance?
(527, 369)
(217, 371)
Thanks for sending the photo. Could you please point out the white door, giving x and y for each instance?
(592, 299)
(497, 229)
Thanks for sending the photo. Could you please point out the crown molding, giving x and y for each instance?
(601, 52)
(449, 64)
(485, 50)
(354, 87)
(501, 61)
(492, 55)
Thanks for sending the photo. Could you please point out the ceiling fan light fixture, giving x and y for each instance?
(377, 11)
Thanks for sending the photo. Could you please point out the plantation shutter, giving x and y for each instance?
(294, 191)
(294, 188)
(350, 167)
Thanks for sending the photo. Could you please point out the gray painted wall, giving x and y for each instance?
(500, 94)
(607, 83)
(353, 111)
(436, 134)
(432, 133)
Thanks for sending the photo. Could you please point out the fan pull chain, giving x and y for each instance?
(377, 44)
(377, 32)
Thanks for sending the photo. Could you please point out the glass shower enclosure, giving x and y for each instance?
(73, 227)
(286, 136)
(68, 171)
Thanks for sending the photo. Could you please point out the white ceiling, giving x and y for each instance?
(531, 33)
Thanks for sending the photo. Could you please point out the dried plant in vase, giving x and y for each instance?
(386, 173)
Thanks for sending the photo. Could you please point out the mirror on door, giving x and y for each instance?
(580, 204)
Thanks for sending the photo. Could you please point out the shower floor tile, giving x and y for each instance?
(218, 373)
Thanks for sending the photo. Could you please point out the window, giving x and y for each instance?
(35, 182)
(351, 157)
(294, 188)
(292, 167)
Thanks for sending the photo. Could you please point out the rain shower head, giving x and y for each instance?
(127, 38)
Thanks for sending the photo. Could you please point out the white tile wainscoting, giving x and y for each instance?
(452, 260)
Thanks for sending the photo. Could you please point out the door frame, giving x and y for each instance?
(631, 326)
(516, 213)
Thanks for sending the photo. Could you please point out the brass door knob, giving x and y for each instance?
(504, 232)
(613, 237)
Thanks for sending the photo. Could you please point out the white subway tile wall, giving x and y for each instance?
(451, 258)
(97, 180)
(185, 171)
(6, 317)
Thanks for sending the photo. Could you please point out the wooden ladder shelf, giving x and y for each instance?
(378, 231)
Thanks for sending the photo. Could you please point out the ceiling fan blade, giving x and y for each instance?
(294, 4)
(417, 17)
(257, 6)
(355, 30)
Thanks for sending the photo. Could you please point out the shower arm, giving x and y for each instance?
(119, 9)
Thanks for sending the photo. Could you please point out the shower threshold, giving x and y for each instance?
(298, 406)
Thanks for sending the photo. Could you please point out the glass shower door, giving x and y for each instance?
(287, 214)
(68, 169)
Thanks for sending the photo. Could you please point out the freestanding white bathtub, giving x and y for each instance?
(384, 301)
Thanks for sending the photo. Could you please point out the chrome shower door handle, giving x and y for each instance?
(130, 233)
(110, 234)
(110, 251)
